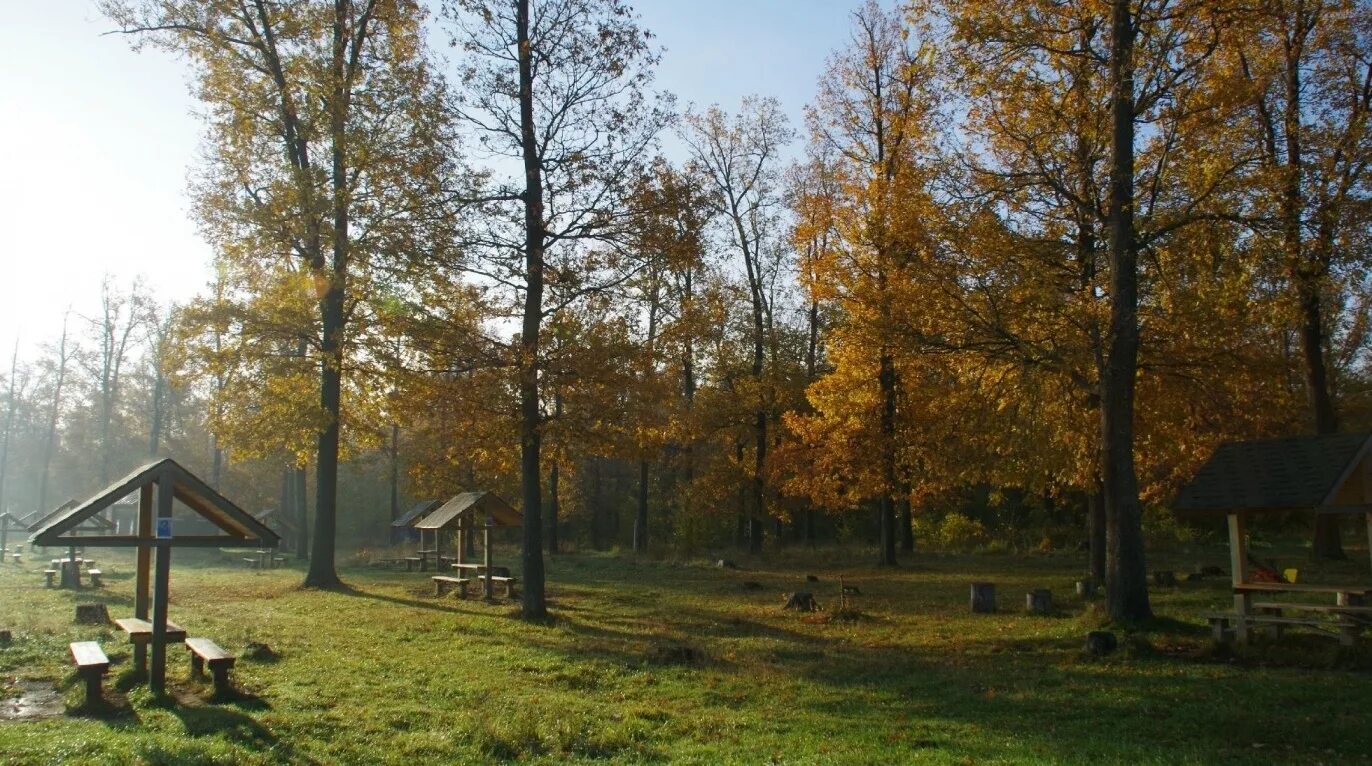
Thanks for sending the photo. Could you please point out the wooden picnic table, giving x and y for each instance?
(1344, 619)
(140, 630)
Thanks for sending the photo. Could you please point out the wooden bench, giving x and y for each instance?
(1345, 630)
(95, 577)
(252, 561)
(91, 665)
(410, 561)
(50, 574)
(140, 631)
(508, 582)
(442, 582)
(206, 652)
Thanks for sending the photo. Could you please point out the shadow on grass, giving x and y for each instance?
(348, 590)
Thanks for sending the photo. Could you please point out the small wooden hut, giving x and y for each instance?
(1330, 474)
(465, 514)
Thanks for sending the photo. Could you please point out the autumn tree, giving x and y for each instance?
(310, 164)
(1309, 73)
(562, 91)
(738, 159)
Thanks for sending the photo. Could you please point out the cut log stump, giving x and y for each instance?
(92, 614)
(1039, 601)
(1100, 643)
(983, 597)
(802, 600)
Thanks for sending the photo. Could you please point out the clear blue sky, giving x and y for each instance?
(98, 139)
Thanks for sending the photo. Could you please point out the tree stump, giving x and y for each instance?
(802, 600)
(92, 614)
(1100, 643)
(1165, 578)
(811, 578)
(6, 637)
(1086, 588)
(1039, 601)
(983, 597)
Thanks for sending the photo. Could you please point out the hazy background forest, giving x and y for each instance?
(754, 331)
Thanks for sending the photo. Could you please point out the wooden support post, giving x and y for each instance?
(4, 538)
(143, 577)
(157, 678)
(463, 531)
(1369, 535)
(486, 550)
(1238, 565)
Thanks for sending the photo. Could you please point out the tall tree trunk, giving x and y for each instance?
(534, 605)
(395, 471)
(1126, 585)
(1095, 512)
(907, 523)
(323, 572)
(11, 403)
(1308, 273)
(641, 519)
(54, 411)
(302, 514)
(554, 543)
(887, 377)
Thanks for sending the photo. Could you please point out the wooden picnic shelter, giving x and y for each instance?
(165, 481)
(413, 516)
(8, 523)
(466, 513)
(1329, 474)
(284, 525)
(70, 567)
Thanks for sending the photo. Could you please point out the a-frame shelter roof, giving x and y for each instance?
(275, 516)
(38, 520)
(475, 505)
(237, 524)
(1327, 474)
(419, 511)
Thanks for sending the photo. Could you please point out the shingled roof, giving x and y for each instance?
(420, 510)
(1295, 473)
(499, 512)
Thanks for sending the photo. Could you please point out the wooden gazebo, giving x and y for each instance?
(1330, 474)
(465, 513)
(156, 531)
(283, 525)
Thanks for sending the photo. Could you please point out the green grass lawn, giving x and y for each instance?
(651, 661)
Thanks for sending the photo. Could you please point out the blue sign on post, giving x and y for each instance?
(164, 529)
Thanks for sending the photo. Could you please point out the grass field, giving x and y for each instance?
(679, 662)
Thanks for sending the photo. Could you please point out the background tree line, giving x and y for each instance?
(1019, 270)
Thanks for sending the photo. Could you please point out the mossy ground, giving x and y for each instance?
(678, 662)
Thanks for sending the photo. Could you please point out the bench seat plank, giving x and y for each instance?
(140, 631)
(89, 656)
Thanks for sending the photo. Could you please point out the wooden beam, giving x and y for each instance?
(157, 679)
(142, 588)
(186, 541)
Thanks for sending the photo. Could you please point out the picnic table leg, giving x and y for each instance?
(1238, 565)
(486, 591)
